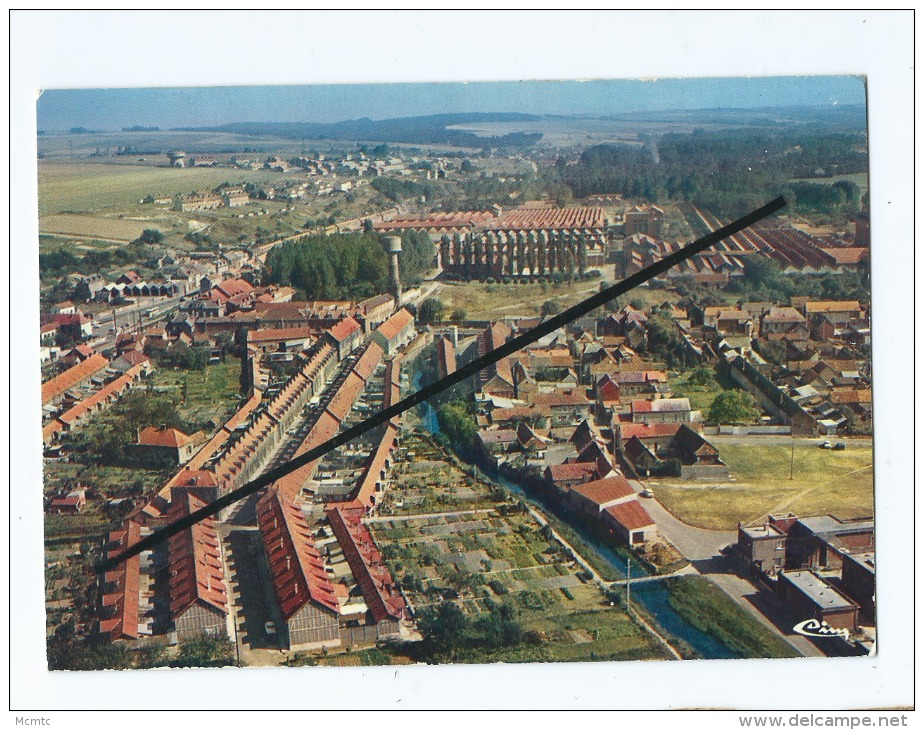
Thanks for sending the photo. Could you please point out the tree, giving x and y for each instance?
(459, 315)
(430, 311)
(443, 626)
(550, 307)
(150, 235)
(701, 376)
(663, 335)
(733, 406)
(205, 651)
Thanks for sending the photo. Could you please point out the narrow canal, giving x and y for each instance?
(652, 596)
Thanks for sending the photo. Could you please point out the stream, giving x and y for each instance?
(652, 595)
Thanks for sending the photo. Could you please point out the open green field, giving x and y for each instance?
(835, 482)
(494, 301)
(91, 186)
(93, 227)
(860, 179)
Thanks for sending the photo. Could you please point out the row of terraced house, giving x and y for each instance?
(180, 588)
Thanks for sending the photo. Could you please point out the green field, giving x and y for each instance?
(860, 179)
(705, 606)
(91, 186)
(93, 227)
(494, 301)
(835, 482)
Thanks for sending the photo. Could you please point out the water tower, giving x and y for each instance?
(393, 248)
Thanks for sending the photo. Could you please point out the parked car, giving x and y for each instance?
(270, 628)
(646, 493)
(840, 446)
(825, 445)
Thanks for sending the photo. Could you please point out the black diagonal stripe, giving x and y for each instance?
(505, 350)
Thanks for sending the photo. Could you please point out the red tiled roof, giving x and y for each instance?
(233, 287)
(344, 328)
(134, 357)
(561, 398)
(648, 430)
(631, 515)
(367, 485)
(851, 255)
(367, 565)
(50, 429)
(606, 490)
(784, 315)
(297, 568)
(194, 555)
(271, 311)
(392, 392)
(831, 306)
(851, 395)
(280, 334)
(639, 376)
(368, 361)
(446, 352)
(499, 436)
(571, 471)
(549, 218)
(325, 428)
(101, 396)
(395, 324)
(156, 436)
(123, 596)
(72, 376)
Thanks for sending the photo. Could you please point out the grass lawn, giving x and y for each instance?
(705, 606)
(835, 482)
(701, 396)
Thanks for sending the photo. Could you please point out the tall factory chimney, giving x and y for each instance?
(393, 248)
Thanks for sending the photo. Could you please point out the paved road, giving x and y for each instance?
(788, 440)
(694, 543)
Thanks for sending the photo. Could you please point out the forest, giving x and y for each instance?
(345, 265)
(729, 172)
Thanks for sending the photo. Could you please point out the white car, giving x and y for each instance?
(270, 628)
(646, 493)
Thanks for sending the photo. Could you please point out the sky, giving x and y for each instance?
(113, 109)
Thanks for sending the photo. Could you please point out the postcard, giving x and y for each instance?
(228, 281)
(461, 359)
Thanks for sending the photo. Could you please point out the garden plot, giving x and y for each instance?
(481, 561)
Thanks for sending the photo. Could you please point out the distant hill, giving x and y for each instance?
(433, 129)
(846, 117)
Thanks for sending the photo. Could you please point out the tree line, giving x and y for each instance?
(345, 265)
(729, 171)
